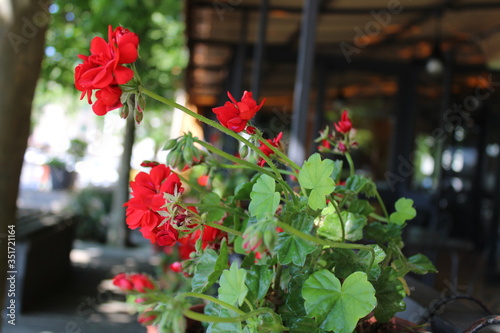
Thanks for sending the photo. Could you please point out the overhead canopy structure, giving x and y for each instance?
(367, 34)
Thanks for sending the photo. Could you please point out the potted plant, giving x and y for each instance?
(294, 248)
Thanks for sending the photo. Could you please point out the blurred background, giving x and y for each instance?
(420, 79)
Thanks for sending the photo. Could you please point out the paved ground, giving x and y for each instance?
(89, 303)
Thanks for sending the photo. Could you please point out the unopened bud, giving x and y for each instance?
(174, 158)
(243, 151)
(171, 144)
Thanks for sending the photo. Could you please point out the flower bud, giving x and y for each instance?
(243, 151)
(188, 154)
(174, 158)
(171, 144)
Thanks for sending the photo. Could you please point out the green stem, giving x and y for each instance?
(213, 124)
(382, 205)
(379, 218)
(246, 163)
(279, 153)
(350, 162)
(341, 220)
(213, 300)
(325, 242)
(224, 228)
(232, 166)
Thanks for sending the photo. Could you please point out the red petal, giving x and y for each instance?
(123, 74)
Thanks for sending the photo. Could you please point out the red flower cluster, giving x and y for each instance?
(276, 142)
(103, 69)
(236, 115)
(148, 199)
(211, 238)
(133, 282)
(345, 124)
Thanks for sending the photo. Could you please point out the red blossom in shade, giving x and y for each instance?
(342, 147)
(146, 318)
(134, 282)
(345, 124)
(148, 199)
(325, 145)
(276, 142)
(176, 267)
(235, 115)
(141, 282)
(123, 282)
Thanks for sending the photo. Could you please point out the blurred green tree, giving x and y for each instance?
(163, 57)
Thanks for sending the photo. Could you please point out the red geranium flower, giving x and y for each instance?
(123, 282)
(211, 238)
(236, 115)
(141, 282)
(345, 124)
(108, 99)
(148, 199)
(167, 235)
(276, 142)
(103, 69)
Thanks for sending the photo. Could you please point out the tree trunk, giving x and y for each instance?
(118, 231)
(22, 39)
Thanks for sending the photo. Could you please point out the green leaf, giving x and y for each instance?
(303, 325)
(404, 211)
(331, 226)
(315, 175)
(292, 249)
(337, 170)
(390, 293)
(232, 285)
(258, 280)
(383, 233)
(361, 207)
(420, 264)
(243, 190)
(338, 307)
(348, 261)
(212, 201)
(361, 184)
(265, 200)
(213, 309)
(208, 268)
